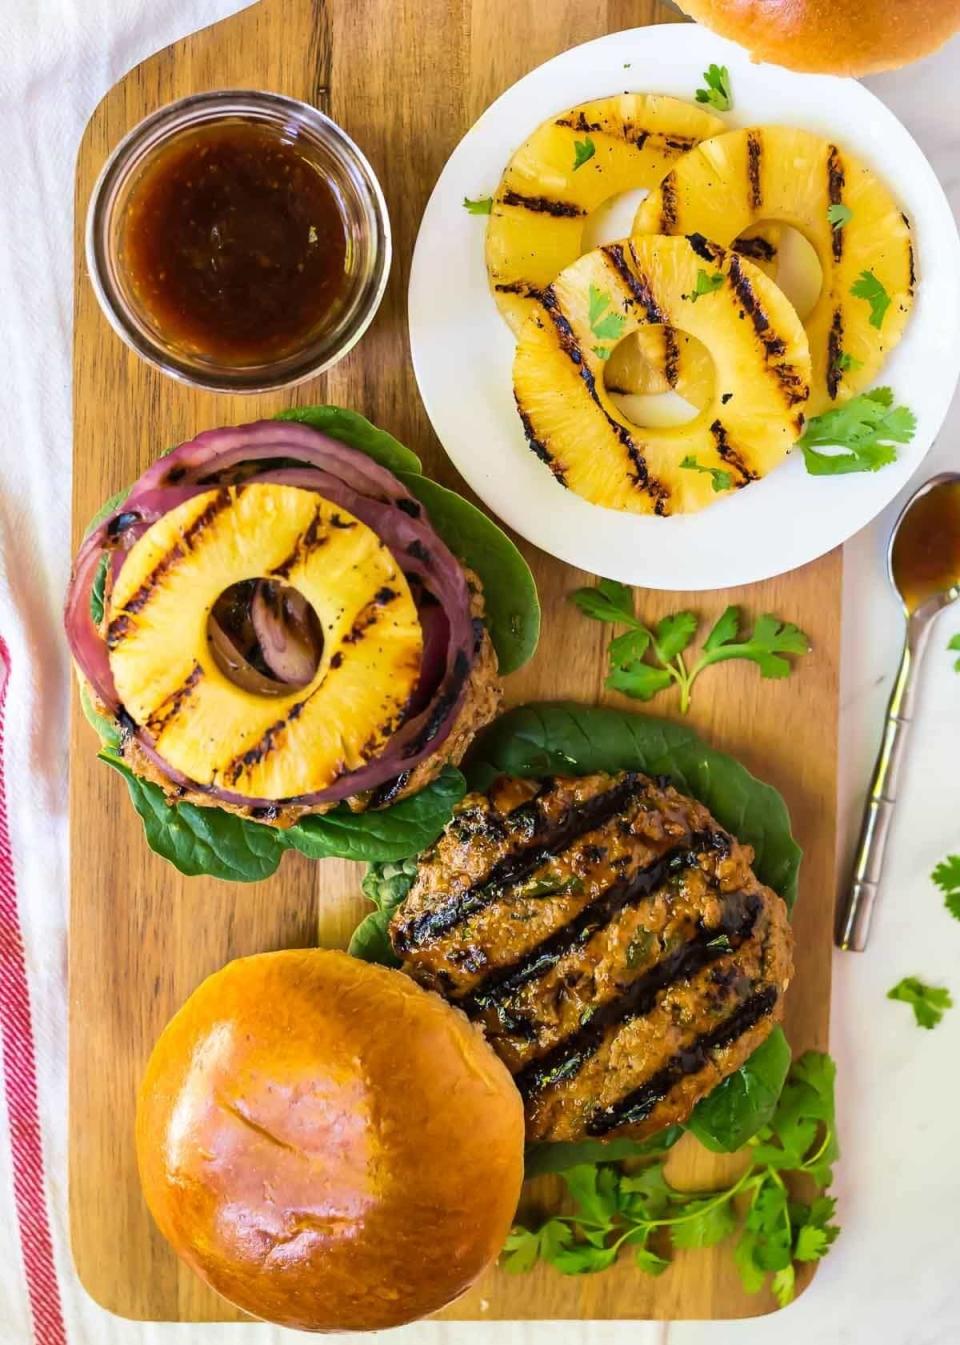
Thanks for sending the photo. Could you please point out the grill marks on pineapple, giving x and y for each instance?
(121, 625)
(637, 136)
(543, 205)
(754, 169)
(669, 209)
(523, 288)
(792, 385)
(309, 541)
(733, 457)
(599, 1038)
(570, 345)
(537, 445)
(836, 179)
(834, 352)
(756, 249)
(172, 705)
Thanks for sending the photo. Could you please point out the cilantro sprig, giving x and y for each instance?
(482, 205)
(645, 660)
(706, 283)
(583, 150)
(868, 427)
(717, 93)
(636, 1209)
(605, 322)
(721, 479)
(867, 286)
(953, 644)
(947, 877)
(929, 1002)
(838, 214)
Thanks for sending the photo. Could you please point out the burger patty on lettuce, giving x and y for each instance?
(612, 940)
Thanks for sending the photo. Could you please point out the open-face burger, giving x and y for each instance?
(274, 623)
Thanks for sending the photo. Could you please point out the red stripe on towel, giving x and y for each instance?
(20, 1084)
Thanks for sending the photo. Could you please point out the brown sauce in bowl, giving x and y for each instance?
(235, 244)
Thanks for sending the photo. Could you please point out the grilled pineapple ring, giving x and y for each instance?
(733, 181)
(544, 200)
(753, 414)
(206, 727)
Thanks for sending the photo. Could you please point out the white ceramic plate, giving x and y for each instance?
(463, 350)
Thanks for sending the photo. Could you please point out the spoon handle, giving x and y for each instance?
(855, 911)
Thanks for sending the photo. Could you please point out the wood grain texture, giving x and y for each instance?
(406, 78)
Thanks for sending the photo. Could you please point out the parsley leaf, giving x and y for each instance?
(631, 670)
(929, 1002)
(867, 426)
(722, 480)
(954, 644)
(481, 206)
(839, 214)
(717, 93)
(673, 634)
(582, 151)
(607, 326)
(868, 287)
(608, 601)
(847, 363)
(947, 873)
(706, 284)
(641, 1211)
(640, 680)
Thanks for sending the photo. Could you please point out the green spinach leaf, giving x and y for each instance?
(740, 1106)
(385, 885)
(355, 430)
(557, 1156)
(383, 833)
(201, 840)
(509, 593)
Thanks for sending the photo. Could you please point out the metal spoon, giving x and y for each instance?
(923, 564)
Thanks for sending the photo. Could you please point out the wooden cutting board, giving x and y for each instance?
(406, 78)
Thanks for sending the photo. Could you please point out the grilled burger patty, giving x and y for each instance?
(612, 940)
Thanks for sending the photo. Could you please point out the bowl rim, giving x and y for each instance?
(293, 369)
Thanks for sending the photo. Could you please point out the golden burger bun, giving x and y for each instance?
(328, 1145)
(834, 37)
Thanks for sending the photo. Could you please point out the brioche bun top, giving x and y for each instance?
(836, 37)
(328, 1145)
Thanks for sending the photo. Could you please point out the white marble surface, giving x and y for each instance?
(892, 1278)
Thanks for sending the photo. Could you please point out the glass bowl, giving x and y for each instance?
(347, 172)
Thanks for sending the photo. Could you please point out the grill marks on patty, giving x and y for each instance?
(611, 940)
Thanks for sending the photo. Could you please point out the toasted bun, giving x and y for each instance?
(328, 1145)
(836, 37)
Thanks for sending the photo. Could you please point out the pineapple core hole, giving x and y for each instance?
(265, 637)
(789, 258)
(637, 382)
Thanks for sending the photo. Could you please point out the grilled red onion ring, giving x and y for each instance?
(293, 454)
